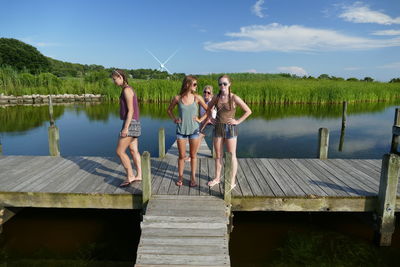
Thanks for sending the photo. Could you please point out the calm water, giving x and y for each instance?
(277, 131)
(63, 237)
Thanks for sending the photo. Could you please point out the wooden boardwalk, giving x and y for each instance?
(263, 184)
(184, 230)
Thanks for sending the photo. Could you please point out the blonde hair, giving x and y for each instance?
(208, 87)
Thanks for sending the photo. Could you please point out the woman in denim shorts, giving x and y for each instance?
(131, 129)
(187, 125)
(225, 126)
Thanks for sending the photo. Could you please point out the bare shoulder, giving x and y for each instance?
(176, 98)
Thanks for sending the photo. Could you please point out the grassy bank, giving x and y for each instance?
(252, 88)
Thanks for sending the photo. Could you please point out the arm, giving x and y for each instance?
(128, 93)
(200, 101)
(171, 106)
(211, 105)
(247, 111)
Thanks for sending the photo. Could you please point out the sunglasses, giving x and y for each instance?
(207, 92)
(224, 84)
(194, 84)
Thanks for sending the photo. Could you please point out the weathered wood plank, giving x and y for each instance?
(324, 179)
(183, 259)
(296, 173)
(169, 177)
(268, 178)
(157, 232)
(251, 179)
(258, 176)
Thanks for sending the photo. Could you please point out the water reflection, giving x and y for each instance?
(277, 131)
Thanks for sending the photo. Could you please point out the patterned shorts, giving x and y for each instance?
(226, 131)
(134, 130)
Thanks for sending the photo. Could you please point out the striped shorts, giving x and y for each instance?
(226, 131)
(134, 130)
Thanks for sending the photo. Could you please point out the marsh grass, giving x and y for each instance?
(264, 88)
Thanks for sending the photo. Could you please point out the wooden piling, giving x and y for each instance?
(6, 214)
(387, 199)
(161, 142)
(396, 132)
(228, 178)
(54, 141)
(342, 130)
(1, 148)
(323, 143)
(51, 111)
(146, 178)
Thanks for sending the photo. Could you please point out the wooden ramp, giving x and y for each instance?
(184, 231)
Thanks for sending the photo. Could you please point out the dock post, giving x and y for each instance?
(6, 214)
(1, 149)
(228, 178)
(146, 178)
(51, 111)
(387, 199)
(323, 143)
(54, 141)
(395, 137)
(214, 154)
(342, 130)
(161, 142)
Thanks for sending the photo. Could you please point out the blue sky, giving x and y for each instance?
(308, 37)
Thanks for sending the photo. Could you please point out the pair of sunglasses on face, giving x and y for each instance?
(207, 92)
(224, 84)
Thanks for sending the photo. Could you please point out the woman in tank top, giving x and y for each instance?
(187, 125)
(225, 129)
(131, 129)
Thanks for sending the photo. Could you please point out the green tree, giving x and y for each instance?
(395, 80)
(324, 77)
(368, 79)
(22, 56)
(352, 79)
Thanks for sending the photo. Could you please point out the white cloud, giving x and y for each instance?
(361, 13)
(30, 41)
(387, 32)
(299, 71)
(393, 65)
(251, 71)
(257, 9)
(277, 37)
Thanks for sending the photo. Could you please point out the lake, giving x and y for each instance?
(273, 131)
(62, 237)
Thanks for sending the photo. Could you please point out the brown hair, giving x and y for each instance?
(117, 73)
(186, 83)
(229, 88)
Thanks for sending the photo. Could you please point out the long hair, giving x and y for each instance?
(229, 89)
(186, 83)
(121, 73)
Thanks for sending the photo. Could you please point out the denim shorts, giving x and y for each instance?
(207, 130)
(190, 136)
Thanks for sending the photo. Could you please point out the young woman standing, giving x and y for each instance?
(187, 125)
(225, 129)
(131, 129)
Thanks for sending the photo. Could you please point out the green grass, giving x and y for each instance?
(252, 88)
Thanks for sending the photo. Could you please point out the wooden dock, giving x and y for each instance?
(184, 230)
(263, 184)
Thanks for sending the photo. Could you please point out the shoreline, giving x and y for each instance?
(44, 99)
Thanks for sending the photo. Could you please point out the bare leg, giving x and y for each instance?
(123, 144)
(194, 147)
(218, 145)
(133, 147)
(181, 161)
(231, 147)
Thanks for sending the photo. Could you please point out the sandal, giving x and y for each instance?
(193, 184)
(179, 183)
(126, 183)
(213, 182)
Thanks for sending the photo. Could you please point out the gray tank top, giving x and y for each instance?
(186, 113)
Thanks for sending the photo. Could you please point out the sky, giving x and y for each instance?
(309, 37)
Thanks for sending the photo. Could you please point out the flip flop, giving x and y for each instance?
(179, 183)
(193, 184)
(213, 182)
